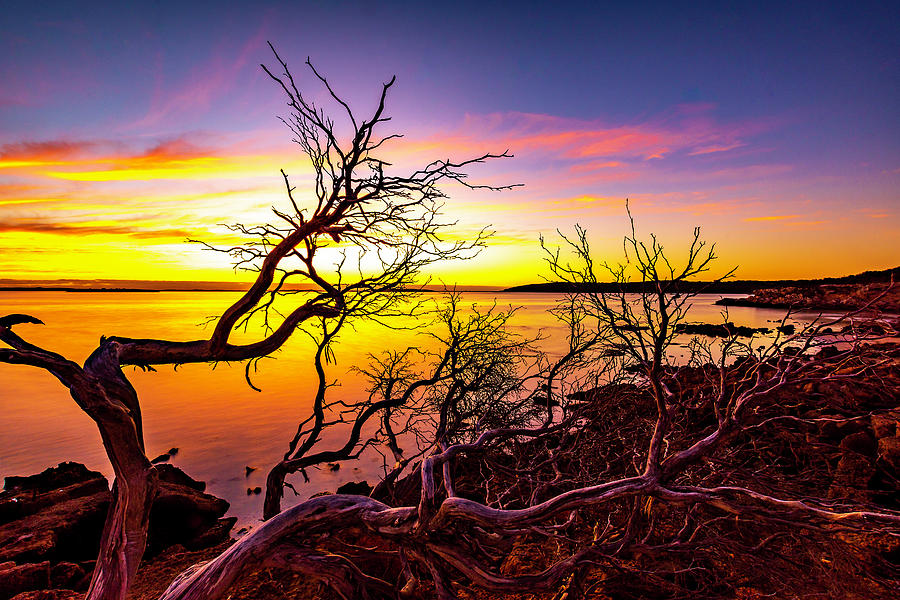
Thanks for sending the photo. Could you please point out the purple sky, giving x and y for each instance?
(125, 129)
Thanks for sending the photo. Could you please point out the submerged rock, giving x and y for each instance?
(355, 488)
(727, 329)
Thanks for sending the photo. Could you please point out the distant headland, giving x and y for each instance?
(870, 289)
(733, 286)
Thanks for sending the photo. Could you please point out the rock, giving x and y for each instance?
(67, 529)
(356, 488)
(827, 352)
(860, 442)
(727, 329)
(161, 459)
(218, 533)
(67, 575)
(889, 452)
(851, 478)
(64, 525)
(50, 595)
(248, 471)
(172, 474)
(521, 557)
(787, 329)
(172, 451)
(15, 579)
(23, 502)
(334, 466)
(884, 426)
(181, 513)
(839, 297)
(62, 475)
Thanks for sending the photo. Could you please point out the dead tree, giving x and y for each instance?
(654, 484)
(451, 385)
(356, 205)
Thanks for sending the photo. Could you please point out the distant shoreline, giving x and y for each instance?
(743, 287)
(706, 287)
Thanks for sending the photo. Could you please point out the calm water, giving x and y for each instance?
(219, 424)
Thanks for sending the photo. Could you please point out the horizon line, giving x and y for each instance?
(101, 284)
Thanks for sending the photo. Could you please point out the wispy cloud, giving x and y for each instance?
(690, 131)
(771, 218)
(104, 160)
(91, 228)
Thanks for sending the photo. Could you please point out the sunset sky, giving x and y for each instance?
(125, 130)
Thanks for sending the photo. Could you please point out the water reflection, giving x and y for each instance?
(209, 412)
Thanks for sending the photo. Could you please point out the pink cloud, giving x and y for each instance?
(713, 149)
(46, 150)
(688, 130)
(596, 165)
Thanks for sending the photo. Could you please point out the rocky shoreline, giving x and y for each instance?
(51, 523)
(881, 297)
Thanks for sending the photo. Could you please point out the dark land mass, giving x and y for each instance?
(720, 287)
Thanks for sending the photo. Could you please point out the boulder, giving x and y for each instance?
(851, 478)
(727, 329)
(68, 529)
(70, 576)
(861, 442)
(884, 426)
(20, 503)
(181, 514)
(15, 579)
(50, 595)
(355, 488)
(162, 458)
(215, 535)
(172, 474)
(63, 525)
(889, 452)
(54, 478)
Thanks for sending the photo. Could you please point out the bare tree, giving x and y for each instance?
(607, 462)
(357, 205)
(667, 481)
(451, 385)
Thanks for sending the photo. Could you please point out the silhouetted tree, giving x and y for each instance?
(615, 470)
(665, 480)
(357, 205)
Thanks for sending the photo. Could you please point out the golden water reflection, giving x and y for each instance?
(219, 424)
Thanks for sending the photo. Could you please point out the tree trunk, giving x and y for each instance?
(124, 536)
(108, 397)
